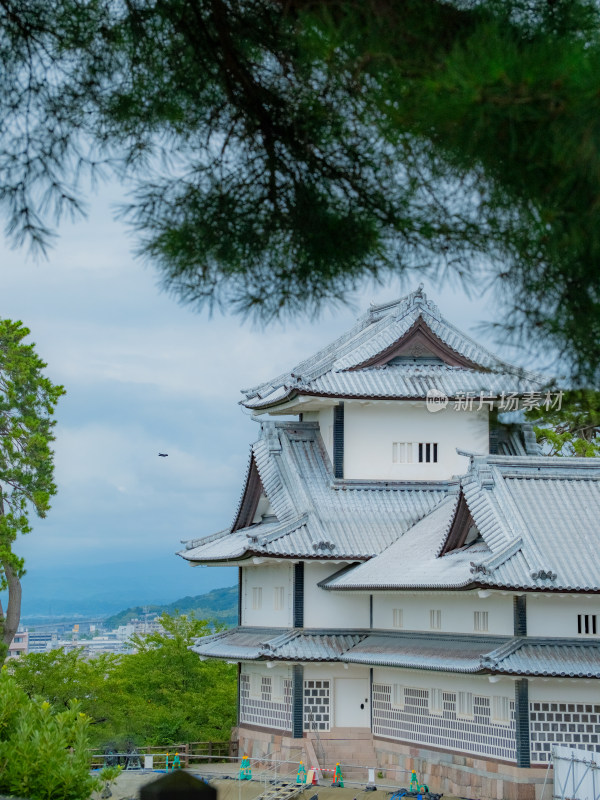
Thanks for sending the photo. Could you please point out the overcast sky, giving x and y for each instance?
(145, 375)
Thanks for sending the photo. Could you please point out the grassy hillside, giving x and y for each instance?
(220, 605)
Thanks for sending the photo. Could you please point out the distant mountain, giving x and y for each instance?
(87, 589)
(220, 605)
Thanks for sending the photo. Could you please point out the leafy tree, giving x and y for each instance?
(572, 430)
(283, 151)
(161, 694)
(43, 754)
(60, 677)
(27, 401)
(164, 694)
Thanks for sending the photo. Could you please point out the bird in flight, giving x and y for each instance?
(163, 455)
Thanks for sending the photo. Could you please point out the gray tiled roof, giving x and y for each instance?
(554, 658)
(332, 371)
(238, 644)
(409, 650)
(443, 652)
(539, 520)
(268, 644)
(318, 516)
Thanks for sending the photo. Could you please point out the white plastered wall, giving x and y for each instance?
(551, 615)
(268, 578)
(371, 428)
(457, 612)
(566, 690)
(323, 609)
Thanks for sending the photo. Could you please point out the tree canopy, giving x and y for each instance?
(280, 152)
(27, 402)
(161, 694)
(573, 429)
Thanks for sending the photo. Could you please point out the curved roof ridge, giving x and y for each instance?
(375, 333)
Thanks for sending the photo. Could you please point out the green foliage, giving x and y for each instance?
(43, 753)
(283, 152)
(162, 694)
(219, 605)
(572, 430)
(27, 401)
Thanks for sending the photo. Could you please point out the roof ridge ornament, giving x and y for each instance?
(271, 436)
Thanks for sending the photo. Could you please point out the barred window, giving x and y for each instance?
(501, 709)
(587, 624)
(256, 597)
(278, 598)
(435, 619)
(398, 696)
(398, 617)
(428, 452)
(402, 452)
(464, 704)
(436, 701)
(480, 621)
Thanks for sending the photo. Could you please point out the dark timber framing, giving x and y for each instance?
(298, 609)
(338, 441)
(520, 615)
(240, 579)
(297, 701)
(522, 723)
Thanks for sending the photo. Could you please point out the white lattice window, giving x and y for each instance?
(435, 619)
(464, 704)
(587, 624)
(317, 711)
(436, 701)
(398, 696)
(501, 709)
(402, 452)
(397, 618)
(256, 598)
(480, 621)
(566, 724)
(278, 598)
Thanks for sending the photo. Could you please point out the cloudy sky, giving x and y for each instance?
(146, 375)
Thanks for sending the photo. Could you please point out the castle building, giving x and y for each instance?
(419, 586)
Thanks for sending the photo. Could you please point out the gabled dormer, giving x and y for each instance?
(398, 394)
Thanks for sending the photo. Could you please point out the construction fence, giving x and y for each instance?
(188, 755)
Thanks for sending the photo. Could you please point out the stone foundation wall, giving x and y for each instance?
(462, 775)
(450, 773)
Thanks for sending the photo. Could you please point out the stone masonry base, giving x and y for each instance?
(450, 773)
